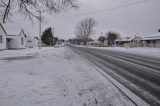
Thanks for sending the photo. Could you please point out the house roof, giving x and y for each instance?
(11, 36)
(36, 38)
(23, 33)
(119, 39)
(18, 34)
(155, 36)
(126, 39)
(31, 37)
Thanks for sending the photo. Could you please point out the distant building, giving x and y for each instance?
(105, 43)
(31, 42)
(123, 42)
(16, 41)
(134, 41)
(96, 43)
(3, 35)
(152, 40)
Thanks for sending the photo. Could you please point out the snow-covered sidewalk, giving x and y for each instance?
(56, 77)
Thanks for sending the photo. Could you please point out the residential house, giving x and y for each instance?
(105, 43)
(16, 41)
(119, 42)
(136, 41)
(3, 35)
(123, 42)
(96, 43)
(31, 42)
(152, 40)
(127, 42)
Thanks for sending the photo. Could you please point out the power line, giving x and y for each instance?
(107, 10)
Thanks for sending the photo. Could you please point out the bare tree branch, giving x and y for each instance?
(29, 7)
(6, 11)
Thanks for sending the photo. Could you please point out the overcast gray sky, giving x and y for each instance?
(142, 18)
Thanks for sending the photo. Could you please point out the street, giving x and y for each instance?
(138, 73)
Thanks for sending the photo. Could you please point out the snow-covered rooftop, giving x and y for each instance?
(11, 36)
(127, 38)
(12, 31)
(152, 37)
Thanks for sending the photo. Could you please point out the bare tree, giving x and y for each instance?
(111, 37)
(85, 29)
(29, 7)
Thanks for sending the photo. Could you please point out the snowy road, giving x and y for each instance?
(140, 74)
(54, 77)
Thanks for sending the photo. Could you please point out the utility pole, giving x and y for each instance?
(40, 21)
(53, 32)
(101, 36)
(101, 33)
(53, 35)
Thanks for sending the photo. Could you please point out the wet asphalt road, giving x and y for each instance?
(140, 74)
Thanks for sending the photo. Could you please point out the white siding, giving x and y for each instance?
(35, 42)
(14, 43)
(157, 43)
(3, 44)
(24, 39)
(151, 43)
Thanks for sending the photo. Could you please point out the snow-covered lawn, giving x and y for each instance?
(21, 52)
(54, 77)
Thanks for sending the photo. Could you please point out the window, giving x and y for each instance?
(1, 39)
(29, 41)
(22, 42)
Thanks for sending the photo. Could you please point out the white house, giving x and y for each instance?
(124, 41)
(134, 41)
(31, 42)
(152, 40)
(105, 43)
(16, 41)
(3, 35)
(96, 43)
